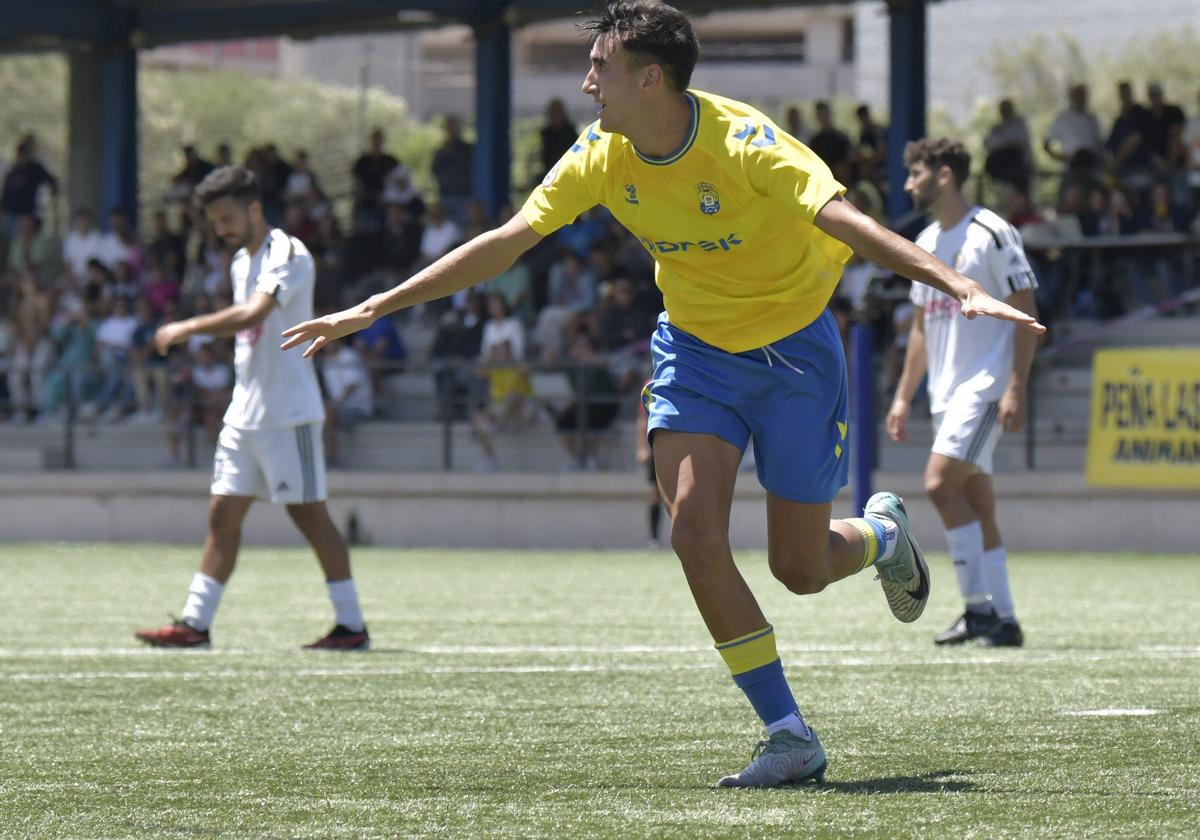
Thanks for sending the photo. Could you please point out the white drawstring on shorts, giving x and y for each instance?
(768, 350)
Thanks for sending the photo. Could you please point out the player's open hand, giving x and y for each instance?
(978, 302)
(321, 331)
(897, 421)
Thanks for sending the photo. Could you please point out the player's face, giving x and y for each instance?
(230, 221)
(612, 85)
(921, 186)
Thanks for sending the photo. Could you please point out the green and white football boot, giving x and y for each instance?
(904, 575)
(782, 759)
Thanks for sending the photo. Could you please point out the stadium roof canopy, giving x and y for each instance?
(57, 24)
(103, 36)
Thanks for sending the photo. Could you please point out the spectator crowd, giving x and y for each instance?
(78, 311)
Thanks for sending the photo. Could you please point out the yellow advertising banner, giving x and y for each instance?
(1145, 422)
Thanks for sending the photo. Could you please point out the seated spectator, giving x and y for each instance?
(114, 339)
(73, 334)
(382, 350)
(30, 352)
(148, 369)
(454, 355)
(212, 387)
(350, 396)
(502, 361)
(573, 283)
(398, 187)
(595, 406)
(402, 235)
(299, 224)
(121, 244)
(1074, 138)
(161, 287)
(625, 329)
(85, 242)
(549, 334)
(441, 234)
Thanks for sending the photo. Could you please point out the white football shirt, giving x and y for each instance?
(971, 359)
(274, 388)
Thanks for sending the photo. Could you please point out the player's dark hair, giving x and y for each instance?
(236, 182)
(936, 152)
(651, 33)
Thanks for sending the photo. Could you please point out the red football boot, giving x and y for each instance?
(342, 637)
(177, 634)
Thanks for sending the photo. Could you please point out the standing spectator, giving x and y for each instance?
(369, 172)
(1126, 143)
(274, 178)
(22, 183)
(194, 170)
(829, 142)
(1074, 138)
(1009, 150)
(301, 180)
(453, 168)
(35, 252)
(83, 243)
(871, 152)
(558, 135)
(224, 154)
(1164, 133)
(794, 123)
(1191, 143)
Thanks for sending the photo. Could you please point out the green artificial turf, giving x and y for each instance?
(527, 694)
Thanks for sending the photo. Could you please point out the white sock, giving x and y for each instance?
(966, 552)
(995, 566)
(891, 538)
(203, 597)
(346, 610)
(793, 723)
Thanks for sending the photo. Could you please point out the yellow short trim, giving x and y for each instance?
(754, 650)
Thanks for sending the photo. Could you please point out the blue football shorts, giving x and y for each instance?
(790, 396)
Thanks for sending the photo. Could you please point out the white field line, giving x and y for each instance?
(1111, 712)
(1009, 658)
(794, 651)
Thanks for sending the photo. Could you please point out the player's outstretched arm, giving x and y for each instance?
(483, 257)
(873, 242)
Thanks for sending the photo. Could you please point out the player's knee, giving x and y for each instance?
(799, 578)
(939, 489)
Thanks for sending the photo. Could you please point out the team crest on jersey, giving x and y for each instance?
(709, 202)
(551, 175)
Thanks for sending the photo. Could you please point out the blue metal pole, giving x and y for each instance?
(119, 132)
(493, 109)
(862, 413)
(907, 57)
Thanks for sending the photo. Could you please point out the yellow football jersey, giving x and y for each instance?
(728, 218)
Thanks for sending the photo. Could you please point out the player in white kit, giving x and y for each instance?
(270, 446)
(977, 371)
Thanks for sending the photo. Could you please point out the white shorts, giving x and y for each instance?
(283, 465)
(968, 431)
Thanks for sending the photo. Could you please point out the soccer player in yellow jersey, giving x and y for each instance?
(749, 231)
